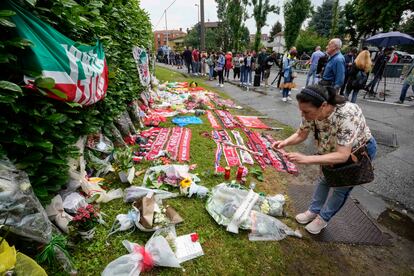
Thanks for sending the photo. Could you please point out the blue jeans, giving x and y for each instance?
(285, 92)
(404, 91)
(210, 71)
(194, 67)
(247, 75)
(354, 94)
(339, 195)
(242, 76)
(311, 73)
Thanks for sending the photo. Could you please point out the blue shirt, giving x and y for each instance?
(335, 70)
(315, 58)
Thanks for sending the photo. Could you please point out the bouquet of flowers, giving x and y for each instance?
(85, 221)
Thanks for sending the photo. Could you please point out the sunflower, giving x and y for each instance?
(185, 183)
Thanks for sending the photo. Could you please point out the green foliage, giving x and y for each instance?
(261, 8)
(308, 40)
(295, 12)
(276, 28)
(212, 38)
(49, 253)
(37, 132)
(321, 21)
(123, 159)
(232, 15)
(361, 18)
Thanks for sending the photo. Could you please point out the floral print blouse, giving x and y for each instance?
(345, 126)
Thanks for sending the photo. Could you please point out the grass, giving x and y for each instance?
(225, 253)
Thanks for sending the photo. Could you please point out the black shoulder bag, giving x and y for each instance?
(356, 170)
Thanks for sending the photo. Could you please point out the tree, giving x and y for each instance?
(321, 21)
(261, 8)
(277, 28)
(212, 38)
(349, 18)
(295, 12)
(335, 13)
(232, 14)
(308, 40)
(367, 17)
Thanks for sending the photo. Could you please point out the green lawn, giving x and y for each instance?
(225, 253)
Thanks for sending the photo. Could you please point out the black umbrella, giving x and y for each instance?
(390, 39)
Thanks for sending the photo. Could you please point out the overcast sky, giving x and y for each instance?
(183, 13)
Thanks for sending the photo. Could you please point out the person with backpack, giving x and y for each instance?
(358, 75)
(210, 63)
(220, 67)
(288, 74)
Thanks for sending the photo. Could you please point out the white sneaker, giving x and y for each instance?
(221, 85)
(289, 98)
(284, 99)
(218, 84)
(316, 226)
(305, 217)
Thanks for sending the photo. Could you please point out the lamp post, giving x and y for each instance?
(198, 13)
(202, 28)
(166, 31)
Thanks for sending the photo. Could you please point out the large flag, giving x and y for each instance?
(79, 71)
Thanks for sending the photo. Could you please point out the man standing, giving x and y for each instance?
(187, 56)
(409, 81)
(334, 73)
(314, 64)
(196, 59)
(267, 65)
(349, 60)
(261, 58)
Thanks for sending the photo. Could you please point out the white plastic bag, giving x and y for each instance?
(56, 213)
(267, 228)
(157, 252)
(73, 202)
(92, 188)
(135, 192)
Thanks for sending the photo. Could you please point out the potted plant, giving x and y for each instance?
(85, 221)
(124, 164)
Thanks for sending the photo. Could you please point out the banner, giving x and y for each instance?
(79, 71)
(251, 122)
(142, 61)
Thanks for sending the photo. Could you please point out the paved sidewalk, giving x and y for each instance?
(392, 125)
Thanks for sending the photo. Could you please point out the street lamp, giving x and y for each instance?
(198, 13)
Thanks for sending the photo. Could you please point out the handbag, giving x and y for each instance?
(356, 171)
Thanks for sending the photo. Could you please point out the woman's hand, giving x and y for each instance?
(279, 144)
(297, 157)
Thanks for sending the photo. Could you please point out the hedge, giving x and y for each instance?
(37, 133)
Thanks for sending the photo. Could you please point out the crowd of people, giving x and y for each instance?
(327, 105)
(347, 73)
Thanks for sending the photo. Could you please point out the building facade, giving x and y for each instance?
(160, 37)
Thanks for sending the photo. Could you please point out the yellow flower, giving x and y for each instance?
(185, 183)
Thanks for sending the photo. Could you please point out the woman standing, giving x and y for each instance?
(229, 65)
(219, 68)
(288, 76)
(339, 129)
(236, 69)
(358, 75)
(210, 63)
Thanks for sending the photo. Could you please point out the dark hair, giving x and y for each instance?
(316, 95)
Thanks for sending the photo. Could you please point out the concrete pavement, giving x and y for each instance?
(392, 125)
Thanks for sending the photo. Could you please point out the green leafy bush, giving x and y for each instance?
(37, 132)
